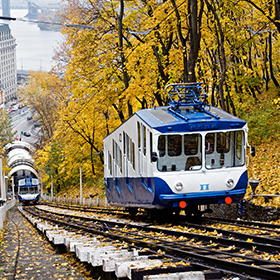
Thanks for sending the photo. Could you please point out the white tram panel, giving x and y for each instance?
(124, 154)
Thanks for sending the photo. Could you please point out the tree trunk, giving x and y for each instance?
(183, 42)
(223, 56)
(125, 75)
(270, 61)
(194, 31)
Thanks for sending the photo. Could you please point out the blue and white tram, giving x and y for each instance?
(177, 157)
(28, 190)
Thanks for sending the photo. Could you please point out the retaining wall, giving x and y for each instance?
(250, 212)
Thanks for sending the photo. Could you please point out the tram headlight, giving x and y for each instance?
(179, 186)
(230, 183)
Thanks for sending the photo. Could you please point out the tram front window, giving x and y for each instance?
(26, 190)
(33, 190)
(23, 190)
(179, 152)
(224, 149)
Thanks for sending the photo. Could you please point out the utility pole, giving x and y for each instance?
(1, 179)
(13, 188)
(51, 188)
(81, 187)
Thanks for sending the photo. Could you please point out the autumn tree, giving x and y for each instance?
(6, 134)
(124, 54)
(43, 94)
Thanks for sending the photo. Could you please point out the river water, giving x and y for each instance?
(35, 47)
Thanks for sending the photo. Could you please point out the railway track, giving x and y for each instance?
(245, 255)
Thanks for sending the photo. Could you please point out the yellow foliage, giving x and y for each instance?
(107, 73)
(265, 167)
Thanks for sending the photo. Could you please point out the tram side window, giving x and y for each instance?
(139, 135)
(133, 155)
(129, 150)
(240, 150)
(113, 149)
(144, 140)
(124, 143)
(121, 161)
(151, 145)
(117, 155)
(110, 163)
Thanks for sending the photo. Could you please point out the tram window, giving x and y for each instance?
(191, 143)
(129, 149)
(110, 163)
(144, 140)
(174, 143)
(223, 142)
(227, 150)
(151, 145)
(124, 143)
(239, 144)
(209, 143)
(161, 146)
(120, 160)
(139, 135)
(32, 190)
(133, 155)
(113, 149)
(117, 154)
(23, 190)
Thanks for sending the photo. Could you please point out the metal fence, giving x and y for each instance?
(3, 210)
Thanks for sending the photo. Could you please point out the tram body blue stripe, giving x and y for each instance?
(157, 193)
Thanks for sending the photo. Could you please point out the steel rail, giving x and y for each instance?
(239, 235)
(250, 224)
(252, 266)
(263, 244)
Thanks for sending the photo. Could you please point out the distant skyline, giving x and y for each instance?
(38, 2)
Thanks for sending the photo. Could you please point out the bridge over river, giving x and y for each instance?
(42, 5)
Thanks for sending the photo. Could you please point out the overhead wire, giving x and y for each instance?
(47, 22)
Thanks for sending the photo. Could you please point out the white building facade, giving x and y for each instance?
(8, 72)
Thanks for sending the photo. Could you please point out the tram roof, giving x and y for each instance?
(16, 144)
(19, 156)
(23, 167)
(164, 119)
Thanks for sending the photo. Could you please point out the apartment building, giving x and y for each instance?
(8, 67)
